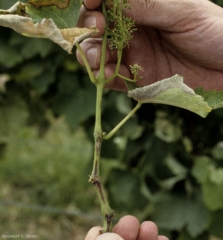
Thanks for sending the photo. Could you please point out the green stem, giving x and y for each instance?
(95, 179)
(107, 212)
(98, 133)
(101, 74)
(89, 71)
(95, 175)
(100, 82)
(118, 64)
(127, 79)
(109, 135)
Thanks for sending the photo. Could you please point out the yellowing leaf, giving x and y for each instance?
(55, 20)
(59, 4)
(172, 91)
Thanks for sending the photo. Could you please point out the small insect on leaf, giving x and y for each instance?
(172, 91)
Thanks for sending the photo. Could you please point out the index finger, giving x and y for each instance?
(127, 227)
(92, 5)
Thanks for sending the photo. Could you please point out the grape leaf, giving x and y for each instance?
(172, 91)
(212, 97)
(213, 195)
(175, 212)
(165, 129)
(65, 16)
(53, 19)
(201, 169)
(211, 180)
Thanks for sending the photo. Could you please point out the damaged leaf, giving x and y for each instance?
(64, 14)
(172, 91)
(53, 19)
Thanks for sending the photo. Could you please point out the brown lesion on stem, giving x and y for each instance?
(97, 151)
(98, 144)
(95, 180)
(107, 227)
(108, 218)
(105, 208)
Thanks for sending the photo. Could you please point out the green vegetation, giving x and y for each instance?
(169, 170)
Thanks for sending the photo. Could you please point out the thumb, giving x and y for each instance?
(109, 236)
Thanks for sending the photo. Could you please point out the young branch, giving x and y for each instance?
(109, 135)
(113, 36)
(89, 71)
(95, 175)
(103, 49)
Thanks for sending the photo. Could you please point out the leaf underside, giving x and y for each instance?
(172, 91)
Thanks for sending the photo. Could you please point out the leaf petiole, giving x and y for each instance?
(115, 129)
(115, 74)
(89, 71)
(127, 79)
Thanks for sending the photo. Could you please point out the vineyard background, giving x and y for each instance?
(165, 164)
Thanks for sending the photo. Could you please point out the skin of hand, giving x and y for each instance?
(128, 228)
(173, 37)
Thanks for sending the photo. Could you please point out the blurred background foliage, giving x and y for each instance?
(165, 164)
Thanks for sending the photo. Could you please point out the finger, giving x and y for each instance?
(92, 19)
(89, 4)
(109, 236)
(117, 83)
(92, 49)
(163, 238)
(127, 227)
(93, 233)
(148, 230)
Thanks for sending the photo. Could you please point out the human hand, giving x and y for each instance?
(173, 37)
(128, 228)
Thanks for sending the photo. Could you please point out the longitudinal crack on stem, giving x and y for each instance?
(95, 180)
(107, 212)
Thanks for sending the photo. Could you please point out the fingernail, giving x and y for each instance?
(90, 22)
(92, 55)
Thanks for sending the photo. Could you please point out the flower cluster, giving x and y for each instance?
(120, 28)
